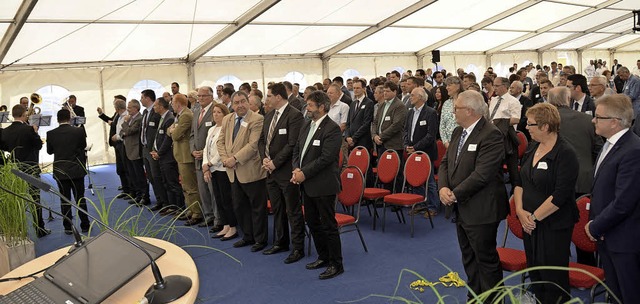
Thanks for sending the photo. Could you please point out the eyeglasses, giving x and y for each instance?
(459, 108)
(606, 117)
(532, 124)
(200, 96)
(595, 84)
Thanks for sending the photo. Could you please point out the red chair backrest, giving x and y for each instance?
(522, 147)
(417, 169)
(579, 237)
(388, 166)
(441, 151)
(352, 182)
(359, 157)
(512, 220)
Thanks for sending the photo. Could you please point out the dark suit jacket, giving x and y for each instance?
(21, 140)
(587, 105)
(619, 83)
(67, 144)
(392, 127)
(199, 133)
(164, 142)
(112, 126)
(320, 161)
(346, 98)
(153, 121)
(359, 123)
(615, 197)
(526, 103)
(284, 139)
(578, 130)
(424, 132)
(78, 110)
(296, 102)
(476, 179)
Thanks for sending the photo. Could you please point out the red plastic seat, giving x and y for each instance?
(352, 182)
(512, 259)
(436, 163)
(416, 173)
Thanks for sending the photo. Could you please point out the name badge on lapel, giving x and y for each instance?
(152, 124)
(472, 147)
(316, 142)
(588, 112)
(244, 124)
(208, 124)
(387, 118)
(542, 165)
(423, 122)
(160, 131)
(363, 106)
(282, 131)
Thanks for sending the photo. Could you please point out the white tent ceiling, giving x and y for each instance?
(101, 31)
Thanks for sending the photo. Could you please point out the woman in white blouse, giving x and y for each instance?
(216, 177)
(447, 119)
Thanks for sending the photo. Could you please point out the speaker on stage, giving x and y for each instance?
(435, 56)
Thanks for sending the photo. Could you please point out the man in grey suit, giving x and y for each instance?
(388, 126)
(199, 130)
(130, 134)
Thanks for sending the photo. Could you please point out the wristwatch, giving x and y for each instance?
(533, 217)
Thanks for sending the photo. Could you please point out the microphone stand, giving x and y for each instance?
(163, 290)
(76, 235)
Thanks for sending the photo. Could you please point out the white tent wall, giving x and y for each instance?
(594, 55)
(469, 62)
(207, 74)
(365, 66)
(627, 59)
(564, 57)
(310, 69)
(84, 83)
(501, 62)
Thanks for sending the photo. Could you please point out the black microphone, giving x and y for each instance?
(164, 290)
(76, 235)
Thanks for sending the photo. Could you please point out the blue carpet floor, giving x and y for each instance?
(256, 278)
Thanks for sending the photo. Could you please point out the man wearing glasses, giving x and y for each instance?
(597, 86)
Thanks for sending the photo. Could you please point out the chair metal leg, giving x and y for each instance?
(384, 215)
(430, 218)
(361, 238)
(404, 221)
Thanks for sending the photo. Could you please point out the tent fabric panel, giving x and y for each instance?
(618, 27)
(590, 20)
(9, 8)
(481, 40)
(467, 13)
(564, 57)
(311, 69)
(526, 20)
(583, 40)
(502, 62)
(617, 41)
(333, 11)
(537, 41)
(634, 47)
(81, 82)
(626, 4)
(282, 39)
(627, 59)
(365, 66)
(470, 63)
(582, 2)
(209, 73)
(400, 63)
(395, 40)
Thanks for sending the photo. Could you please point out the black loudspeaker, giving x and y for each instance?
(435, 56)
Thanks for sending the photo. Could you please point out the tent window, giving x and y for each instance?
(142, 85)
(53, 96)
(228, 79)
(296, 77)
(350, 73)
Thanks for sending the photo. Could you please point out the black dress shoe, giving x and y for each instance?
(119, 188)
(42, 232)
(155, 207)
(122, 195)
(207, 223)
(295, 256)
(275, 249)
(183, 217)
(85, 230)
(68, 231)
(193, 221)
(231, 237)
(258, 246)
(243, 243)
(317, 264)
(144, 201)
(216, 228)
(331, 272)
(132, 202)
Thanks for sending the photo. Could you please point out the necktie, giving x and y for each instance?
(603, 153)
(155, 141)
(236, 128)
(272, 128)
(460, 144)
(413, 124)
(312, 129)
(143, 134)
(575, 105)
(495, 109)
(201, 116)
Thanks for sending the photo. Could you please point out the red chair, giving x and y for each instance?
(352, 182)
(416, 173)
(359, 157)
(522, 146)
(436, 163)
(578, 279)
(340, 159)
(512, 259)
(388, 167)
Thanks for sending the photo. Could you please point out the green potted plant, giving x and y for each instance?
(15, 246)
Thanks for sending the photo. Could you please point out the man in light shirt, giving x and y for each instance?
(504, 112)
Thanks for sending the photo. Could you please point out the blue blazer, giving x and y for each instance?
(615, 197)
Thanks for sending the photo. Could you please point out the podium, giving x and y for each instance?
(174, 261)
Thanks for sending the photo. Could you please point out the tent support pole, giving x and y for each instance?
(191, 76)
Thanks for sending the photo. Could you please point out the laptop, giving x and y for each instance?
(90, 273)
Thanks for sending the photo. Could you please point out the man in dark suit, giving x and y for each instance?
(67, 144)
(148, 131)
(516, 91)
(201, 124)
(471, 181)
(279, 136)
(77, 110)
(315, 163)
(614, 67)
(238, 148)
(582, 102)
(24, 143)
(615, 197)
(130, 135)
(346, 95)
(162, 152)
(420, 130)
(358, 132)
(115, 124)
(293, 98)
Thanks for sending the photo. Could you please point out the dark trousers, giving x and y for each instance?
(171, 185)
(621, 272)
(36, 211)
(479, 255)
(319, 212)
(152, 168)
(121, 166)
(511, 160)
(221, 187)
(68, 187)
(287, 210)
(250, 207)
(547, 247)
(137, 179)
